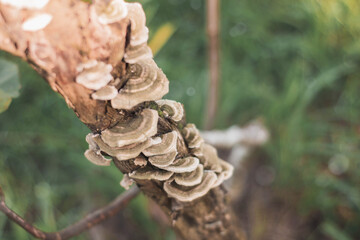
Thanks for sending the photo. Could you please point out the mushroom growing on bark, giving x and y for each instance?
(148, 173)
(110, 11)
(190, 178)
(105, 93)
(181, 165)
(93, 154)
(135, 130)
(93, 74)
(139, 32)
(192, 136)
(167, 145)
(163, 160)
(172, 109)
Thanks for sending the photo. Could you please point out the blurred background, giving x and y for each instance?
(292, 64)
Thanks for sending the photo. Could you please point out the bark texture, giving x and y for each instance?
(74, 36)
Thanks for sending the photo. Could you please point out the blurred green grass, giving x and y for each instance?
(295, 64)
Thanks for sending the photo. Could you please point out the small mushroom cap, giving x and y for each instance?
(198, 152)
(37, 22)
(128, 100)
(148, 173)
(188, 194)
(96, 158)
(26, 4)
(167, 144)
(111, 11)
(210, 158)
(135, 130)
(190, 178)
(140, 161)
(226, 173)
(125, 152)
(192, 136)
(126, 182)
(163, 160)
(139, 32)
(94, 76)
(172, 108)
(137, 53)
(105, 93)
(182, 165)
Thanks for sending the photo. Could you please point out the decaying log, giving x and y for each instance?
(72, 37)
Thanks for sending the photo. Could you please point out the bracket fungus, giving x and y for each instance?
(37, 22)
(126, 182)
(181, 165)
(210, 158)
(94, 75)
(226, 172)
(148, 173)
(192, 136)
(167, 144)
(190, 178)
(93, 154)
(110, 11)
(130, 97)
(139, 32)
(172, 109)
(133, 54)
(105, 93)
(135, 130)
(163, 160)
(188, 194)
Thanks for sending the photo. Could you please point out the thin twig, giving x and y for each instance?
(213, 18)
(88, 222)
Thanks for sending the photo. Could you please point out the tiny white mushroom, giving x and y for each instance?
(188, 194)
(94, 75)
(126, 182)
(173, 109)
(139, 32)
(167, 144)
(105, 93)
(37, 22)
(135, 130)
(111, 11)
(26, 4)
(181, 165)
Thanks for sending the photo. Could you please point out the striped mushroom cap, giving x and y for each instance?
(172, 109)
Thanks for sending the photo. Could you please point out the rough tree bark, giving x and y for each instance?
(73, 37)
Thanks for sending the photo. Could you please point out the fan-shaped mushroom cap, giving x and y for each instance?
(190, 178)
(210, 158)
(167, 144)
(139, 32)
(96, 158)
(141, 76)
(192, 136)
(226, 172)
(36, 22)
(140, 161)
(26, 4)
(148, 173)
(181, 165)
(136, 53)
(94, 74)
(125, 152)
(172, 109)
(135, 130)
(126, 182)
(105, 93)
(198, 152)
(163, 160)
(187, 194)
(129, 99)
(110, 11)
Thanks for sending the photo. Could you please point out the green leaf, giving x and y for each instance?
(9, 83)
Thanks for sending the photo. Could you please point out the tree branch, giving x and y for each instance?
(88, 222)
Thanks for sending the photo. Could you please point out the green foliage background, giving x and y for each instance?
(295, 64)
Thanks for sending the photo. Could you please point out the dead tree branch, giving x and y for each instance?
(86, 223)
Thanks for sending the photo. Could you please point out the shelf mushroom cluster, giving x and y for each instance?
(137, 139)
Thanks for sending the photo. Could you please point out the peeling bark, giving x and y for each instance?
(73, 36)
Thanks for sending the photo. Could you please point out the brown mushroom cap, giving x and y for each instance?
(192, 136)
(173, 109)
(135, 130)
(226, 172)
(210, 158)
(142, 75)
(167, 144)
(96, 158)
(125, 152)
(163, 160)
(148, 173)
(187, 194)
(129, 99)
(190, 178)
(182, 165)
(134, 54)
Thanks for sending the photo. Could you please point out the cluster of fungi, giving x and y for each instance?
(137, 139)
